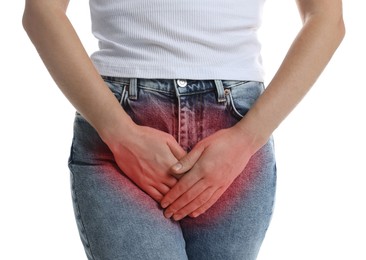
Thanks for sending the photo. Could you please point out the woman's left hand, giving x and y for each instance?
(209, 169)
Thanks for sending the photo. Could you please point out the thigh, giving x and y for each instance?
(116, 220)
(235, 226)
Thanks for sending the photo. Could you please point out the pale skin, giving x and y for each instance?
(184, 184)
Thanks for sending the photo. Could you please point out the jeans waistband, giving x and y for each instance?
(179, 87)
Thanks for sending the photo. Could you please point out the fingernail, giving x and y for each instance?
(194, 215)
(177, 217)
(164, 205)
(177, 166)
(168, 214)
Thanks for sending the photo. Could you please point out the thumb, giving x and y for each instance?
(186, 162)
(176, 150)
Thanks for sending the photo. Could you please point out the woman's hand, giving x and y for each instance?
(146, 157)
(210, 168)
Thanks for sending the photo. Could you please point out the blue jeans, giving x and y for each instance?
(117, 220)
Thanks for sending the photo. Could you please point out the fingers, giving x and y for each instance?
(187, 162)
(195, 204)
(154, 193)
(185, 199)
(184, 184)
(184, 165)
(162, 188)
(157, 191)
(176, 150)
(169, 181)
(202, 209)
(200, 205)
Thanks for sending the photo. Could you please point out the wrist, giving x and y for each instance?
(117, 132)
(252, 134)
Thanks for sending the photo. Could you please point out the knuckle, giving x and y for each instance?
(172, 209)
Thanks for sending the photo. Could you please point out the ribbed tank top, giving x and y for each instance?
(187, 39)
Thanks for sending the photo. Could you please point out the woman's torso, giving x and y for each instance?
(206, 39)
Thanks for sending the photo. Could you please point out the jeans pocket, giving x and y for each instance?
(241, 97)
(118, 89)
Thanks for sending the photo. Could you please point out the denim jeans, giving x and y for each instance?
(117, 220)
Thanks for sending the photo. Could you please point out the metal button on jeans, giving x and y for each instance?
(182, 83)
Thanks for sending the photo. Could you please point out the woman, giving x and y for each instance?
(172, 156)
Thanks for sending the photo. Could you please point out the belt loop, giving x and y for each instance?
(132, 90)
(220, 91)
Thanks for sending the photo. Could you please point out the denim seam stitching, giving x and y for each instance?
(232, 106)
(237, 83)
(178, 111)
(155, 90)
(81, 219)
(220, 91)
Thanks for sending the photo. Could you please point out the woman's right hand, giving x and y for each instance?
(146, 157)
(144, 154)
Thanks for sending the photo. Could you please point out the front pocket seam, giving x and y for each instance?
(231, 107)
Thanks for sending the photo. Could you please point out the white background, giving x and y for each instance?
(320, 208)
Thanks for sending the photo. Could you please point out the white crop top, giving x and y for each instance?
(190, 39)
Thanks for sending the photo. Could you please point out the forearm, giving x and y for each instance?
(70, 66)
(310, 52)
